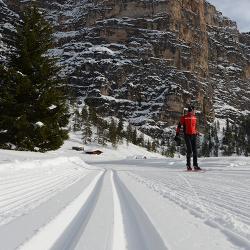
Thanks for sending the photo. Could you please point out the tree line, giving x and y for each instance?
(95, 128)
(235, 139)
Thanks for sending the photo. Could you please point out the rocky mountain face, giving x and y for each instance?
(145, 60)
(8, 20)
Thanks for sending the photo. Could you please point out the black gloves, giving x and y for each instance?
(177, 139)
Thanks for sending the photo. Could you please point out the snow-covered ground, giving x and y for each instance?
(122, 199)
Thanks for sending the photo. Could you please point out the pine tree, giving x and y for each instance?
(113, 132)
(120, 132)
(205, 144)
(170, 149)
(140, 140)
(244, 136)
(247, 135)
(33, 105)
(93, 115)
(149, 145)
(216, 141)
(77, 119)
(84, 113)
(129, 133)
(153, 146)
(134, 136)
(87, 132)
(102, 131)
(227, 141)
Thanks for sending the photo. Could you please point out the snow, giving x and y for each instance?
(60, 35)
(20, 73)
(39, 124)
(10, 27)
(102, 49)
(51, 107)
(52, 231)
(126, 198)
(119, 234)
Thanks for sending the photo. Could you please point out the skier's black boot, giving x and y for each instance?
(189, 168)
(197, 168)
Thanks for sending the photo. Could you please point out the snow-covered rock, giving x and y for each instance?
(147, 60)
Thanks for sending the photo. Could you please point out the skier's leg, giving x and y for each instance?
(189, 149)
(194, 149)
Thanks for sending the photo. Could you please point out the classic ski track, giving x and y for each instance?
(34, 191)
(74, 235)
(30, 197)
(40, 215)
(101, 220)
(68, 235)
(205, 205)
(71, 235)
(137, 224)
(20, 189)
(131, 226)
(119, 236)
(44, 187)
(28, 178)
(229, 204)
(30, 175)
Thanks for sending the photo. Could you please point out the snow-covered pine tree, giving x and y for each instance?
(112, 134)
(87, 132)
(248, 135)
(93, 115)
(33, 112)
(170, 149)
(227, 141)
(77, 119)
(154, 146)
(205, 144)
(129, 133)
(102, 131)
(215, 139)
(134, 136)
(244, 135)
(149, 145)
(84, 113)
(140, 140)
(120, 132)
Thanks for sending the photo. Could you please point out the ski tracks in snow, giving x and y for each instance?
(105, 216)
(119, 209)
(220, 198)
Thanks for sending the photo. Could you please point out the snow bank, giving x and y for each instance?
(25, 184)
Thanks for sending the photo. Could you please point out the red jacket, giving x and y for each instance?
(189, 123)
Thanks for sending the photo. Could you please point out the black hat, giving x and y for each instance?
(190, 108)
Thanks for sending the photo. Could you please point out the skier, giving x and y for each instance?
(189, 123)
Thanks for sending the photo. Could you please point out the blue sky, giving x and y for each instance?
(238, 10)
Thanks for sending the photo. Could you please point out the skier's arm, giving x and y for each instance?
(178, 128)
(181, 123)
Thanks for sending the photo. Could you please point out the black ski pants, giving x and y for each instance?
(191, 148)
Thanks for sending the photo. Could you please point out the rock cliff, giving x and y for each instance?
(145, 60)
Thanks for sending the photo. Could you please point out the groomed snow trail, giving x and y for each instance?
(64, 230)
(26, 185)
(140, 232)
(129, 204)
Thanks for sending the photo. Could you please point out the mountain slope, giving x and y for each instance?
(147, 60)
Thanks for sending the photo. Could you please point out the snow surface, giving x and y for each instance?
(122, 199)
